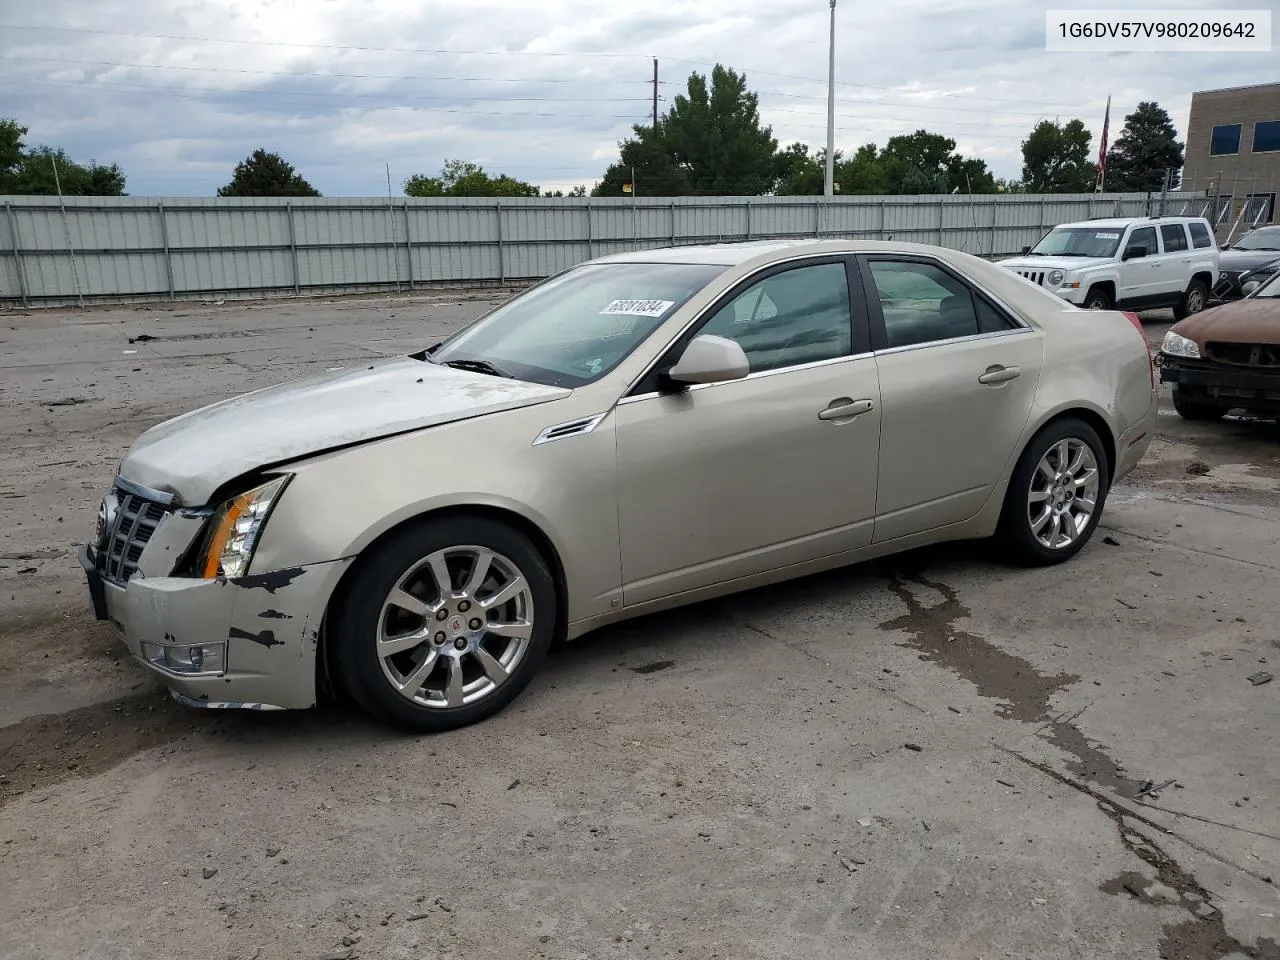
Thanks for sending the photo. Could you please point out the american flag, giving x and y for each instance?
(1102, 147)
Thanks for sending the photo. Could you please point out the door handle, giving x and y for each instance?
(996, 375)
(844, 409)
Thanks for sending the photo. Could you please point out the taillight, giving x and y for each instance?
(1137, 325)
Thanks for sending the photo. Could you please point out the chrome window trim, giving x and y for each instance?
(954, 340)
(147, 493)
(811, 365)
(716, 304)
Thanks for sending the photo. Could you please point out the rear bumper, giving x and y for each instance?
(1132, 445)
(269, 623)
(1221, 383)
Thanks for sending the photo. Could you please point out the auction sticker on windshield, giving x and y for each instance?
(637, 308)
(1106, 236)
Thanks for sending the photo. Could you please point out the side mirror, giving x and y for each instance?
(1135, 253)
(1025, 251)
(710, 359)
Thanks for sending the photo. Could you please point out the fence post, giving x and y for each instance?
(1042, 209)
(748, 205)
(883, 214)
(164, 239)
(995, 206)
(502, 264)
(17, 254)
(817, 219)
(408, 243)
(942, 218)
(293, 247)
(671, 207)
(591, 246)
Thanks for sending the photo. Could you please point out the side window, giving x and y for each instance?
(1200, 234)
(922, 303)
(1174, 236)
(1143, 237)
(798, 316)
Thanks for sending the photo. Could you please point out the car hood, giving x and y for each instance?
(1244, 321)
(1054, 263)
(191, 456)
(1241, 260)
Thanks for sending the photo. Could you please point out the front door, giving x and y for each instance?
(720, 481)
(957, 379)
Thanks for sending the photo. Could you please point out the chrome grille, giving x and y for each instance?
(1035, 276)
(128, 528)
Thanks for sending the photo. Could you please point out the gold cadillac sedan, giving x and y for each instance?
(632, 434)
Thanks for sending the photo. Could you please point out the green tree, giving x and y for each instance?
(34, 175)
(264, 174)
(864, 173)
(460, 178)
(715, 134)
(799, 172)
(1145, 149)
(578, 191)
(656, 172)
(11, 149)
(924, 162)
(1055, 158)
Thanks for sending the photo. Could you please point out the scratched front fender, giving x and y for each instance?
(270, 623)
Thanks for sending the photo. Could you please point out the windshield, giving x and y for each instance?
(1268, 238)
(578, 326)
(1079, 242)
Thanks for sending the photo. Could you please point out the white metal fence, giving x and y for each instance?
(94, 249)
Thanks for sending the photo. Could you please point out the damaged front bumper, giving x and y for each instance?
(1255, 388)
(248, 643)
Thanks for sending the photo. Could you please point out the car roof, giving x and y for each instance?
(1121, 222)
(734, 254)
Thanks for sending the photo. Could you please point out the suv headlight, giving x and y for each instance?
(1177, 345)
(235, 528)
(1056, 277)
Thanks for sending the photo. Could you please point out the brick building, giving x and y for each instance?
(1233, 151)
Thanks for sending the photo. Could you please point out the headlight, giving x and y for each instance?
(236, 525)
(1177, 345)
(1056, 277)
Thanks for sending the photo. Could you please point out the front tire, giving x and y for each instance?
(445, 623)
(1056, 495)
(1189, 409)
(1193, 301)
(1097, 299)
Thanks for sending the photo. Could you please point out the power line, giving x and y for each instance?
(327, 95)
(897, 106)
(320, 46)
(301, 73)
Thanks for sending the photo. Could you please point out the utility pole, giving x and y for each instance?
(655, 93)
(829, 185)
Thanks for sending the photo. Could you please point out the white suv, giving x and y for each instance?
(1134, 263)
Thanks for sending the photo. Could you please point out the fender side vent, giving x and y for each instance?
(573, 428)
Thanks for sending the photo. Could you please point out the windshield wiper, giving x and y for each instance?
(476, 366)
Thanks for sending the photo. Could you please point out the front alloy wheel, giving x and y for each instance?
(445, 623)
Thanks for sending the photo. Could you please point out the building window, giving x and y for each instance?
(1266, 136)
(1259, 208)
(1225, 140)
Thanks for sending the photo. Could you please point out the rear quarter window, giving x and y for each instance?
(1200, 236)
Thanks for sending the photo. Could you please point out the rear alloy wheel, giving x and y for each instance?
(1190, 409)
(446, 624)
(1097, 299)
(1056, 495)
(1193, 301)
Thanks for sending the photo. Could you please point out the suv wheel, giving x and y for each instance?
(1193, 301)
(1097, 299)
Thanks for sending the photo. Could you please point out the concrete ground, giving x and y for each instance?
(932, 756)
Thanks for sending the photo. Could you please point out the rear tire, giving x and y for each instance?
(1056, 495)
(1097, 299)
(429, 657)
(1189, 409)
(1193, 301)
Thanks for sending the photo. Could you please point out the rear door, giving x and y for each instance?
(1175, 260)
(958, 374)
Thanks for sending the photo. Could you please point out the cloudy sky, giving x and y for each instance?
(177, 91)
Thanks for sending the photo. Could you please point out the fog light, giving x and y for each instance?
(198, 659)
